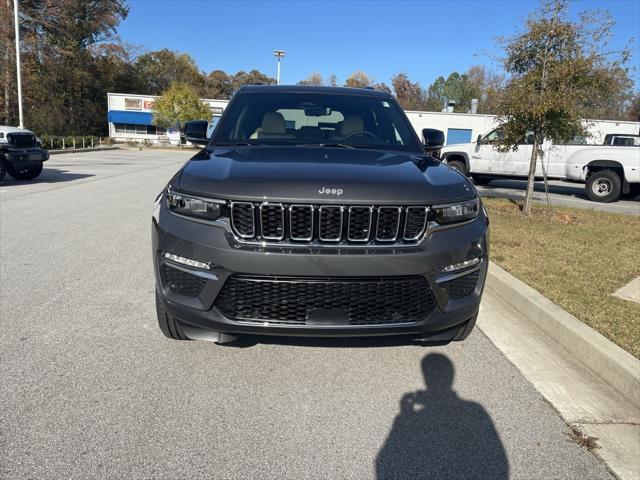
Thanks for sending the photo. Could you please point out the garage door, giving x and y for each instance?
(458, 135)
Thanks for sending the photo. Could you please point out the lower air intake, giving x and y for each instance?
(462, 286)
(181, 282)
(292, 301)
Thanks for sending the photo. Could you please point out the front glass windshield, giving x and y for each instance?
(316, 119)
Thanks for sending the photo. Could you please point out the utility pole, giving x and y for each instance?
(279, 54)
(18, 73)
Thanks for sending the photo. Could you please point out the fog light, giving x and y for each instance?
(461, 265)
(186, 261)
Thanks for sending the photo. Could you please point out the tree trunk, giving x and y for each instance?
(532, 176)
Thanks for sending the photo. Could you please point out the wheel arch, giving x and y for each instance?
(596, 165)
(455, 155)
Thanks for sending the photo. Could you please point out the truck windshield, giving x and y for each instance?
(316, 119)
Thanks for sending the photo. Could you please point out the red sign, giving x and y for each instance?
(148, 104)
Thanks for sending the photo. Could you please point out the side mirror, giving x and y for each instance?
(433, 139)
(479, 139)
(196, 132)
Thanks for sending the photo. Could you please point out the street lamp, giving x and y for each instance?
(279, 54)
(19, 75)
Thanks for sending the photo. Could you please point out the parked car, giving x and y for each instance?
(21, 154)
(316, 211)
(608, 171)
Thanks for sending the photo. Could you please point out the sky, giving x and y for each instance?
(424, 39)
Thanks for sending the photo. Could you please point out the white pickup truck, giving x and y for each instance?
(608, 171)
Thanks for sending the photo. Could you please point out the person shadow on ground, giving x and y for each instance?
(437, 435)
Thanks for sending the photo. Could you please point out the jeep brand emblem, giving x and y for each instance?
(330, 191)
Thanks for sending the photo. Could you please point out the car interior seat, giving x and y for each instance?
(273, 126)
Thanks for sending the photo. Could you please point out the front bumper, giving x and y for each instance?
(23, 158)
(216, 245)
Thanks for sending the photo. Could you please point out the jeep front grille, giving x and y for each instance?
(351, 301)
(22, 140)
(304, 223)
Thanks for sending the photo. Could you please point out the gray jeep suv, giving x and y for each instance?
(316, 211)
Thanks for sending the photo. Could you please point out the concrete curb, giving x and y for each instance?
(81, 150)
(612, 364)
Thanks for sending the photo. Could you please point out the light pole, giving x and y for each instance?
(279, 54)
(18, 74)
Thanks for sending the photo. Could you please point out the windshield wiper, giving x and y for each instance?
(335, 145)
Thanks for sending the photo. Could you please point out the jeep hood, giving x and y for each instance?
(299, 174)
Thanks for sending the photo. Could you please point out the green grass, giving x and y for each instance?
(576, 258)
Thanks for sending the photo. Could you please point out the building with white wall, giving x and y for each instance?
(465, 127)
(130, 119)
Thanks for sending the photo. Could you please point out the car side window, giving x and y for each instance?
(493, 136)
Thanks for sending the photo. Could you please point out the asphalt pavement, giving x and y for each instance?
(89, 387)
(560, 194)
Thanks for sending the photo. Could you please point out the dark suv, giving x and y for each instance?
(316, 211)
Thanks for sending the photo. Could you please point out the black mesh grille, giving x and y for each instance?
(272, 222)
(462, 286)
(181, 282)
(243, 219)
(388, 223)
(301, 222)
(330, 223)
(359, 223)
(415, 222)
(369, 301)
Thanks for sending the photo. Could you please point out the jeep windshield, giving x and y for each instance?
(316, 119)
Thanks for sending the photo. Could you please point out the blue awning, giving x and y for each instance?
(135, 118)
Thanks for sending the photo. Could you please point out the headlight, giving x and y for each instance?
(193, 206)
(461, 212)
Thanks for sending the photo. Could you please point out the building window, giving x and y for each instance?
(138, 129)
(132, 104)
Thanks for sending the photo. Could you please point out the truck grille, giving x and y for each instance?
(357, 224)
(22, 140)
(293, 301)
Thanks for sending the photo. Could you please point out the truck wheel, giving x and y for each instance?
(3, 168)
(458, 165)
(26, 173)
(603, 186)
(167, 322)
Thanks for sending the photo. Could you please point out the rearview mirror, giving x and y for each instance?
(433, 139)
(479, 139)
(196, 132)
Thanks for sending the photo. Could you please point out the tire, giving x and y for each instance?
(481, 180)
(168, 323)
(604, 186)
(3, 168)
(26, 173)
(458, 165)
